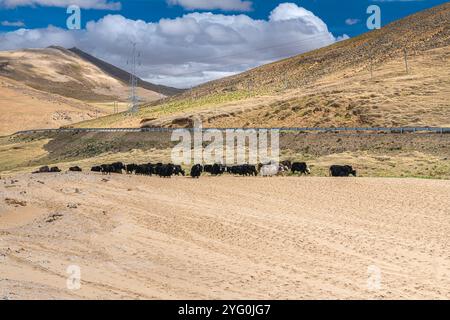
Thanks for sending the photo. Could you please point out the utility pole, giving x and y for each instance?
(134, 99)
(406, 60)
(371, 63)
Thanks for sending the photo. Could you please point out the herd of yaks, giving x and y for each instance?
(169, 170)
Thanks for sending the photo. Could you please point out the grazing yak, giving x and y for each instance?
(109, 168)
(271, 170)
(162, 170)
(177, 170)
(75, 169)
(143, 169)
(342, 171)
(116, 167)
(131, 168)
(287, 164)
(261, 165)
(106, 169)
(217, 169)
(243, 170)
(196, 171)
(208, 168)
(214, 169)
(166, 171)
(46, 169)
(301, 167)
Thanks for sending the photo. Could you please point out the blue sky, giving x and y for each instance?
(336, 18)
(333, 13)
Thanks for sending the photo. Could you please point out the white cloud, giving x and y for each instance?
(191, 49)
(12, 23)
(36, 38)
(289, 11)
(343, 37)
(84, 4)
(225, 5)
(351, 21)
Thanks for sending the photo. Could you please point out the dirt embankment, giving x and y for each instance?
(224, 238)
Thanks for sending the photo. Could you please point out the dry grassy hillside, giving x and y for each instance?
(22, 107)
(420, 32)
(331, 86)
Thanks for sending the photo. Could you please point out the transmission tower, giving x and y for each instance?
(134, 98)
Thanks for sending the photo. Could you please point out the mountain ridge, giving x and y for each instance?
(123, 75)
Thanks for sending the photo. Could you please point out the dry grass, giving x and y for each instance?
(18, 156)
(414, 164)
(108, 107)
(408, 155)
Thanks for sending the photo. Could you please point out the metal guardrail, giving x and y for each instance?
(305, 129)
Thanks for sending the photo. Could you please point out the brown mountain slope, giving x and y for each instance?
(123, 75)
(60, 71)
(22, 107)
(52, 87)
(331, 86)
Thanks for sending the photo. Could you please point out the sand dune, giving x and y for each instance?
(223, 238)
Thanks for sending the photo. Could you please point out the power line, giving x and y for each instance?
(303, 41)
(322, 36)
(300, 41)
